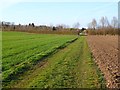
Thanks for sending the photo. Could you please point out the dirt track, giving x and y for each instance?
(105, 51)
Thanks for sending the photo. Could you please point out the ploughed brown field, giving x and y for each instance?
(105, 51)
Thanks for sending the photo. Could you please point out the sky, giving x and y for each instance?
(55, 13)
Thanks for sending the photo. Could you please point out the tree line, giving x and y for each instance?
(103, 27)
(10, 26)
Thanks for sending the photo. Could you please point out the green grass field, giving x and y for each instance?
(48, 61)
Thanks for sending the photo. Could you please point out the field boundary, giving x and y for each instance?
(102, 80)
(105, 52)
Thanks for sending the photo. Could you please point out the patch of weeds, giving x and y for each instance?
(101, 78)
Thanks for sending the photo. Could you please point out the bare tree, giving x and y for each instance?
(60, 26)
(12, 23)
(76, 25)
(94, 24)
(65, 25)
(102, 22)
(114, 22)
(106, 22)
(90, 25)
(51, 25)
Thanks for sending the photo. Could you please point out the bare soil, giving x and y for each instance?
(105, 50)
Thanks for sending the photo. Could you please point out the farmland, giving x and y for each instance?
(48, 61)
(21, 50)
(66, 45)
(105, 51)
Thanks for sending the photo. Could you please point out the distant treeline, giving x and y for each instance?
(9, 26)
(103, 27)
(107, 31)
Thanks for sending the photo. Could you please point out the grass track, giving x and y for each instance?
(71, 67)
